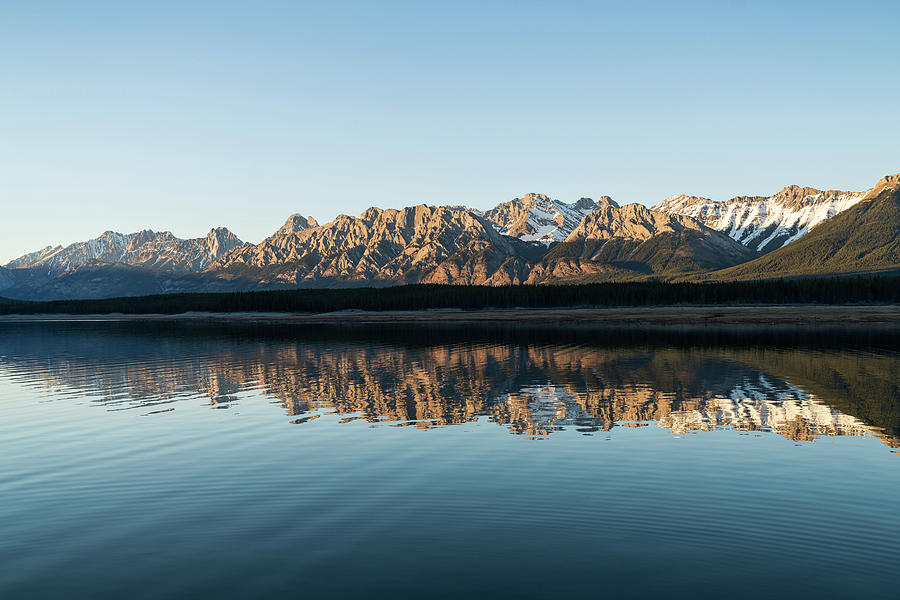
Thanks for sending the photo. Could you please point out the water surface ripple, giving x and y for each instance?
(172, 460)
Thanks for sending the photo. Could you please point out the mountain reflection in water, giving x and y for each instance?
(531, 382)
(245, 461)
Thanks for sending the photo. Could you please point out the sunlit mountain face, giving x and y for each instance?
(533, 384)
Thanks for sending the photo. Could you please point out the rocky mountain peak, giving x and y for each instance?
(888, 181)
(221, 240)
(144, 236)
(297, 222)
(632, 221)
(220, 233)
(796, 197)
(588, 204)
(681, 202)
(370, 214)
(33, 257)
(533, 199)
(539, 218)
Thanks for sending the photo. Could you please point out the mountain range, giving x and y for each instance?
(799, 231)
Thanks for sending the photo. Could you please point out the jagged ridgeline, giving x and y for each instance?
(530, 240)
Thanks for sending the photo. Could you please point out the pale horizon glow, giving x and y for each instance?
(183, 117)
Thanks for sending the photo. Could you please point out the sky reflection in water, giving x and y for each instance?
(344, 461)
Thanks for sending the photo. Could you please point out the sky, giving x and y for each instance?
(183, 116)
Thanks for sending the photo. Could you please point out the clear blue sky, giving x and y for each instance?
(187, 115)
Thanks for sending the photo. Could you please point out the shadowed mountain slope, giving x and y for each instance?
(863, 239)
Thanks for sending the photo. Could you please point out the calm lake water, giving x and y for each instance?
(153, 461)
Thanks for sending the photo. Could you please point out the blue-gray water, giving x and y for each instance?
(154, 461)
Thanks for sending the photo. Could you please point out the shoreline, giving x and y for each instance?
(793, 314)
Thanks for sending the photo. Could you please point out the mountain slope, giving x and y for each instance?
(415, 244)
(6, 278)
(863, 239)
(765, 223)
(539, 218)
(112, 281)
(634, 242)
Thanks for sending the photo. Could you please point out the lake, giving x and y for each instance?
(241, 461)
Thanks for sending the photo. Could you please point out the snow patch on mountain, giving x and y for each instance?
(764, 223)
(539, 218)
(768, 405)
(149, 249)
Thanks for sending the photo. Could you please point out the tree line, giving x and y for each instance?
(832, 290)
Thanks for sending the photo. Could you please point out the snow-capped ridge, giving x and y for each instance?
(538, 218)
(766, 223)
(145, 248)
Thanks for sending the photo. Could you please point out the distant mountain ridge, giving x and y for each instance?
(152, 250)
(529, 240)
